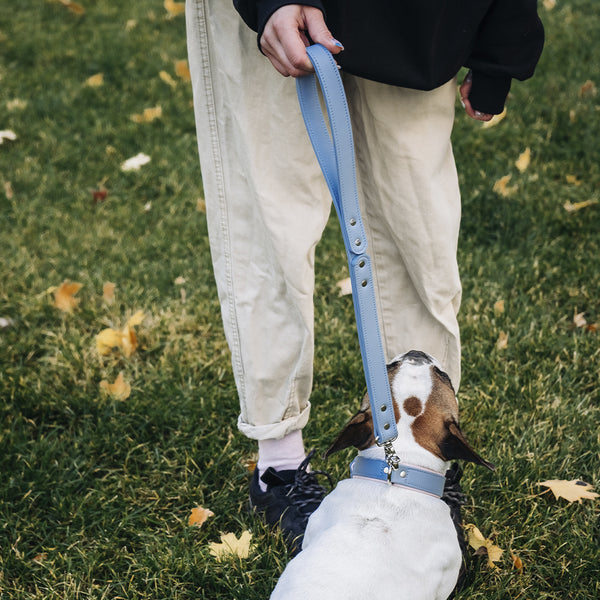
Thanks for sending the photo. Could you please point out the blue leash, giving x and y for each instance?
(335, 154)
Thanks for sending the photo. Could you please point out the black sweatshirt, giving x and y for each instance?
(422, 44)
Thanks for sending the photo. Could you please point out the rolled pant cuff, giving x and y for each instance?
(275, 431)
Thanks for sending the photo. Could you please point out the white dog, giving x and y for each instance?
(377, 540)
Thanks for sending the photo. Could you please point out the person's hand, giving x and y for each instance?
(284, 39)
(465, 90)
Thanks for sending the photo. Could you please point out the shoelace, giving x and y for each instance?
(306, 490)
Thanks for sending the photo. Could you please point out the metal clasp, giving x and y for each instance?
(392, 460)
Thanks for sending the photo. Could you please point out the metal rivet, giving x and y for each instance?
(353, 222)
(357, 242)
(383, 408)
(364, 283)
(386, 426)
(402, 474)
(361, 264)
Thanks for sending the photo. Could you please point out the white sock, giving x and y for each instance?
(284, 454)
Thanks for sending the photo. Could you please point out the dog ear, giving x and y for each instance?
(455, 446)
(358, 432)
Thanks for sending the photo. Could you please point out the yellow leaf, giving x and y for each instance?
(167, 79)
(149, 115)
(570, 207)
(199, 515)
(174, 8)
(230, 545)
(107, 341)
(16, 104)
(587, 89)
(345, 286)
(572, 179)
(499, 307)
(201, 205)
(74, 7)
(523, 160)
(179, 280)
(501, 186)
(502, 342)
(63, 296)
(579, 320)
(573, 491)
(120, 389)
(131, 24)
(96, 80)
(182, 70)
(549, 4)
(136, 319)
(108, 292)
(494, 120)
(8, 190)
(517, 562)
(483, 545)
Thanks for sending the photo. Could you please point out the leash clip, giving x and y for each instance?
(392, 460)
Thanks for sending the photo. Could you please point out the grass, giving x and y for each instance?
(95, 493)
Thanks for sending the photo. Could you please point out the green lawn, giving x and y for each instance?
(95, 492)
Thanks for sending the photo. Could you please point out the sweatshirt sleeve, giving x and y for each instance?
(508, 45)
(256, 13)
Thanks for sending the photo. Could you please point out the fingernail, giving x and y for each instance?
(462, 103)
(336, 43)
(478, 114)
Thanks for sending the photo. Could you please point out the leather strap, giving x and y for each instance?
(335, 154)
(408, 476)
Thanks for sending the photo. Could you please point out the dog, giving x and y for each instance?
(371, 539)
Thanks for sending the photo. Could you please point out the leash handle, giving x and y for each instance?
(335, 155)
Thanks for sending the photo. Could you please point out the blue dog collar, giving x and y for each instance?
(414, 478)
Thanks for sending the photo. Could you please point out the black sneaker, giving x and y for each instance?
(291, 497)
(455, 499)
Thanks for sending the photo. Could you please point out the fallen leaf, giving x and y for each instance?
(201, 205)
(199, 515)
(572, 491)
(572, 179)
(517, 562)
(125, 341)
(182, 70)
(587, 89)
(96, 80)
(8, 190)
(592, 327)
(179, 280)
(174, 8)
(579, 320)
(250, 463)
(149, 115)
(108, 292)
(482, 545)
(131, 24)
(136, 318)
(120, 389)
(167, 79)
(502, 341)
(7, 134)
(523, 160)
(549, 4)
(64, 296)
(16, 104)
(107, 341)
(345, 286)
(499, 307)
(494, 120)
(135, 162)
(40, 558)
(501, 186)
(570, 207)
(99, 195)
(230, 545)
(74, 7)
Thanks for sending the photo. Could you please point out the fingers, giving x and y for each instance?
(465, 90)
(286, 36)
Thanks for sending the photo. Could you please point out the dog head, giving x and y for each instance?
(426, 412)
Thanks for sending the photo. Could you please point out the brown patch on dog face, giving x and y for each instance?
(412, 406)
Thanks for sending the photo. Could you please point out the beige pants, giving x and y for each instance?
(267, 206)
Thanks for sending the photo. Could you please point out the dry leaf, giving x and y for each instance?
(149, 115)
(570, 207)
(96, 80)
(201, 205)
(107, 341)
(131, 24)
(135, 162)
(7, 134)
(517, 562)
(120, 389)
(494, 120)
(74, 7)
(345, 286)
(64, 296)
(572, 179)
(125, 341)
(179, 280)
(499, 307)
(182, 70)
(587, 89)
(501, 186)
(502, 341)
(482, 545)
(167, 79)
(199, 515)
(174, 8)
(523, 160)
(579, 320)
(108, 292)
(16, 104)
(8, 190)
(549, 4)
(40, 558)
(231, 546)
(573, 491)
(136, 318)
(99, 195)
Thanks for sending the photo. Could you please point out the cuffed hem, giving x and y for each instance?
(488, 94)
(275, 431)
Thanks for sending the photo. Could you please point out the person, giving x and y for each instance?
(267, 204)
